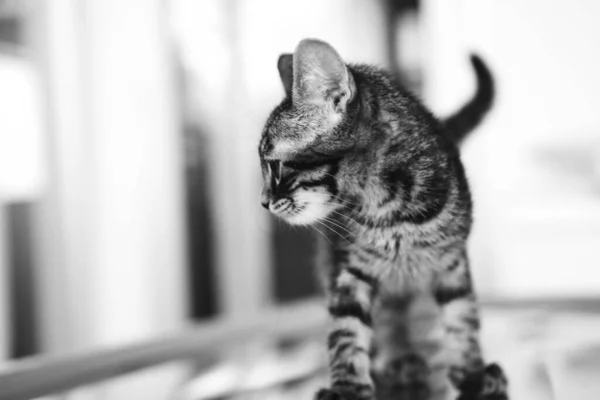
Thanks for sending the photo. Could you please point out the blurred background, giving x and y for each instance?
(129, 174)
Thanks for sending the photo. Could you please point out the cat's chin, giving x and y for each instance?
(307, 215)
(312, 207)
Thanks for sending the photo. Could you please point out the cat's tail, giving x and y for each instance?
(461, 123)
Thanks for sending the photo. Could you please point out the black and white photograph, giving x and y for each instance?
(299, 200)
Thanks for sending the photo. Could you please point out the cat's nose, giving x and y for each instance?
(264, 203)
(264, 198)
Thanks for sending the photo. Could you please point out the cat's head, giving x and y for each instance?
(307, 135)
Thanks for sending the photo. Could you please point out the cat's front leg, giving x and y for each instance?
(468, 372)
(350, 333)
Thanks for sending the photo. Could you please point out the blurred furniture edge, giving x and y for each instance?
(202, 344)
(45, 375)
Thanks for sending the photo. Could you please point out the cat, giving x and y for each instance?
(351, 151)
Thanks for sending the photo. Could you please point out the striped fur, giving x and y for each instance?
(352, 154)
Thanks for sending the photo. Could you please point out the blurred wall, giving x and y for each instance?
(22, 174)
(110, 248)
(110, 222)
(4, 304)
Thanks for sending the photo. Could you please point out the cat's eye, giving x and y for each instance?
(293, 165)
(275, 167)
(302, 165)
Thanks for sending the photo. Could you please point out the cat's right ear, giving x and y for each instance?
(285, 65)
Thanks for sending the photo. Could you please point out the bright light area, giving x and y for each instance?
(22, 175)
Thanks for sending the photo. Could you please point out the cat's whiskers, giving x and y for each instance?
(350, 220)
(321, 233)
(332, 230)
(334, 222)
(329, 203)
(343, 215)
(342, 199)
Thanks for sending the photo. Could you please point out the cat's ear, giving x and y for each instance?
(321, 76)
(285, 65)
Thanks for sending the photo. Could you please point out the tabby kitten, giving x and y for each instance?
(352, 151)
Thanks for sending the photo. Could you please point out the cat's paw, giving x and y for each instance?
(344, 394)
(329, 394)
(490, 384)
(495, 384)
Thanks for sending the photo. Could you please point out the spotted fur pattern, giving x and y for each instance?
(352, 154)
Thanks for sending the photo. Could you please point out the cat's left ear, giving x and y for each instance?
(285, 65)
(321, 76)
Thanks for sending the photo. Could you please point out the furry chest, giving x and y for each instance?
(399, 265)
